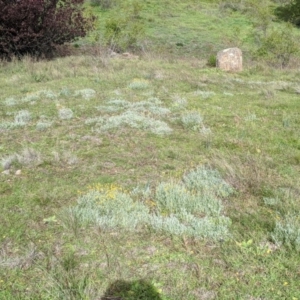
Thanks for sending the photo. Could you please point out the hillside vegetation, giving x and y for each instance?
(152, 174)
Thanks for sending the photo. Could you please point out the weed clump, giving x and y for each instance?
(212, 61)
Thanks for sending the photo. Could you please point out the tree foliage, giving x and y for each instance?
(289, 12)
(35, 27)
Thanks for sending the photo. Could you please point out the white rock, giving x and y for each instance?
(230, 59)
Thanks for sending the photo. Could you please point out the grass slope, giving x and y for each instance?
(86, 123)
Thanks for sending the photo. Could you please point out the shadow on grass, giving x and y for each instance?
(131, 290)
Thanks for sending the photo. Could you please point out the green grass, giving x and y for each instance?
(243, 127)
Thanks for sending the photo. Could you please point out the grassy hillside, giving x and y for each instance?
(192, 28)
(151, 177)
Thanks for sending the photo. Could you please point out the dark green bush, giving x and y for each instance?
(289, 12)
(278, 46)
(35, 27)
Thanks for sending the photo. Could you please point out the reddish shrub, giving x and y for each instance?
(35, 27)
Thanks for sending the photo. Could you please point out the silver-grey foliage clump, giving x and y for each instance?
(152, 106)
(65, 92)
(90, 121)
(30, 98)
(179, 103)
(176, 198)
(192, 207)
(86, 93)
(8, 161)
(192, 120)
(140, 115)
(139, 84)
(206, 180)
(204, 94)
(48, 94)
(107, 213)
(143, 193)
(114, 105)
(9, 125)
(28, 157)
(135, 120)
(177, 209)
(43, 125)
(22, 117)
(287, 231)
(205, 131)
(10, 101)
(185, 224)
(65, 113)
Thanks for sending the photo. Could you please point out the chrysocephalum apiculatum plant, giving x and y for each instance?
(287, 231)
(182, 208)
(141, 115)
(108, 207)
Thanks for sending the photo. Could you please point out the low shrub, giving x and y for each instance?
(108, 208)
(191, 120)
(289, 12)
(35, 27)
(278, 46)
(175, 208)
(287, 232)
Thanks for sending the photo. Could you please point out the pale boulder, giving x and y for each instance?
(230, 59)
